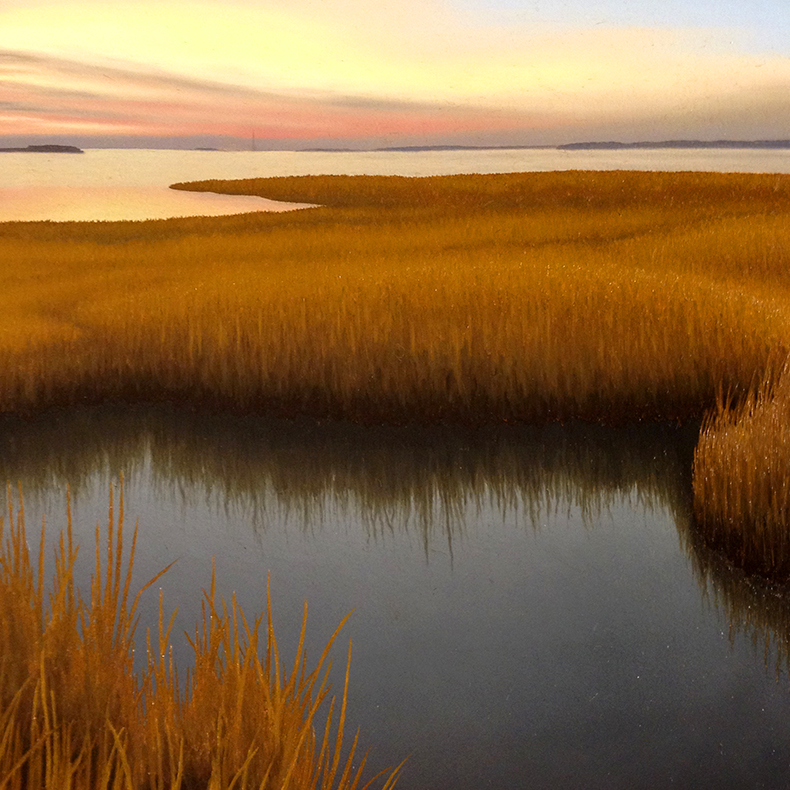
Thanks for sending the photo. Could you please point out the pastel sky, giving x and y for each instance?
(389, 72)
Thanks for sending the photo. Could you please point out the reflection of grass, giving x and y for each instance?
(73, 713)
(755, 607)
(423, 480)
(598, 295)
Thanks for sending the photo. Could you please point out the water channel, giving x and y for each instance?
(531, 607)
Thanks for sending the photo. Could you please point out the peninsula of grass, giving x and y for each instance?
(602, 296)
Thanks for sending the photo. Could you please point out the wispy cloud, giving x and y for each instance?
(41, 89)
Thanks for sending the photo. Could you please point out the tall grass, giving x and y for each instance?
(75, 714)
(534, 297)
(742, 477)
(610, 297)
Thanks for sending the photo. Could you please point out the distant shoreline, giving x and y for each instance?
(617, 146)
(592, 146)
(612, 145)
(609, 145)
(44, 149)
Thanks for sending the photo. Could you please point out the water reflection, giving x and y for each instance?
(132, 183)
(422, 478)
(425, 481)
(113, 202)
(525, 610)
(756, 608)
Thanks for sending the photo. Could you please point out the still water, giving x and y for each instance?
(531, 607)
(133, 184)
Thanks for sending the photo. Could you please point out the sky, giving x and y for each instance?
(370, 73)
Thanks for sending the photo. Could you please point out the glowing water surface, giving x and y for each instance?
(531, 606)
(88, 204)
(133, 184)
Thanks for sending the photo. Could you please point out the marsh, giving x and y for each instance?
(465, 408)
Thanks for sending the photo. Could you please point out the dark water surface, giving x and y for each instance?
(531, 606)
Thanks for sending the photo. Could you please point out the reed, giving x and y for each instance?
(74, 713)
(741, 480)
(532, 297)
(609, 297)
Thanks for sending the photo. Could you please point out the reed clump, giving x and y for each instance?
(74, 713)
(742, 477)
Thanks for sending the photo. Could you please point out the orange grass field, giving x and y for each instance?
(602, 296)
(75, 714)
(606, 296)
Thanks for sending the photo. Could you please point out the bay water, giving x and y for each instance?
(530, 607)
(112, 184)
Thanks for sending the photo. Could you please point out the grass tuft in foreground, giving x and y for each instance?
(75, 714)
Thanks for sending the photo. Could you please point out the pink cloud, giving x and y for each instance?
(47, 92)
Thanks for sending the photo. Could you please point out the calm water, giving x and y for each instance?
(132, 184)
(531, 606)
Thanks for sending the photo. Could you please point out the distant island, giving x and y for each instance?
(43, 149)
(616, 146)
(329, 150)
(417, 148)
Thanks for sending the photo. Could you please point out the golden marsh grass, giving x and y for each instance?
(75, 714)
(742, 477)
(604, 296)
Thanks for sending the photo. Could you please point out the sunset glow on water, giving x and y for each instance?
(67, 204)
(133, 184)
